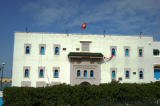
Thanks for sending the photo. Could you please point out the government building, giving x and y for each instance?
(45, 59)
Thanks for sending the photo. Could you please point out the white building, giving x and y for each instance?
(42, 59)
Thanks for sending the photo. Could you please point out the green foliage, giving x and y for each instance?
(83, 95)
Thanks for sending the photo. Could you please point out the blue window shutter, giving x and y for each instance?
(113, 52)
(85, 73)
(57, 50)
(113, 74)
(91, 73)
(27, 50)
(140, 52)
(42, 50)
(127, 52)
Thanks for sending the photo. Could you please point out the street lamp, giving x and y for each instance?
(2, 67)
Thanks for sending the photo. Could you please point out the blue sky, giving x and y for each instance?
(115, 16)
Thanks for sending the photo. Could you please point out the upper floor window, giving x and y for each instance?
(27, 48)
(78, 73)
(127, 74)
(140, 51)
(91, 73)
(42, 49)
(56, 74)
(113, 51)
(127, 52)
(85, 45)
(140, 74)
(155, 52)
(56, 49)
(41, 73)
(85, 73)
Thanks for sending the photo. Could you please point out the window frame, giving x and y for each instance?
(113, 47)
(54, 69)
(39, 68)
(125, 48)
(54, 48)
(93, 73)
(111, 70)
(139, 70)
(24, 68)
(40, 46)
(25, 45)
(142, 51)
(79, 73)
(125, 70)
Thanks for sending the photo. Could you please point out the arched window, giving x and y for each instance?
(41, 73)
(140, 74)
(27, 50)
(56, 50)
(56, 74)
(78, 73)
(113, 74)
(85, 73)
(127, 74)
(42, 51)
(91, 73)
(26, 73)
(126, 52)
(113, 51)
(140, 53)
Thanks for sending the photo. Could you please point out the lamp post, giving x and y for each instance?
(2, 67)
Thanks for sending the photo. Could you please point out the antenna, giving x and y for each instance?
(140, 34)
(104, 33)
(26, 29)
(67, 32)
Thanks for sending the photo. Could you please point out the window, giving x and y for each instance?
(85, 45)
(91, 73)
(56, 71)
(155, 52)
(113, 50)
(64, 49)
(140, 74)
(27, 48)
(78, 73)
(42, 49)
(26, 70)
(140, 51)
(56, 74)
(26, 73)
(85, 73)
(127, 74)
(57, 49)
(127, 52)
(77, 49)
(113, 74)
(41, 73)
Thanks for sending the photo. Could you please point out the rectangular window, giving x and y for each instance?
(26, 71)
(155, 52)
(127, 51)
(27, 48)
(41, 72)
(113, 73)
(113, 50)
(57, 49)
(42, 49)
(85, 73)
(140, 51)
(127, 73)
(85, 45)
(56, 71)
(141, 73)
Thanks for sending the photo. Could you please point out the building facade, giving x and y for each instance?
(42, 59)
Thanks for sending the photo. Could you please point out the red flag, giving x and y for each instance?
(84, 25)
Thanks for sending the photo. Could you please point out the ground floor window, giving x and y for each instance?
(91, 73)
(85, 73)
(78, 73)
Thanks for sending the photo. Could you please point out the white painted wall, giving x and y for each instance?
(99, 44)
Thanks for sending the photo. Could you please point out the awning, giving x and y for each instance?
(85, 54)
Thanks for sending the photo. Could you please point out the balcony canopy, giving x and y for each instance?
(85, 54)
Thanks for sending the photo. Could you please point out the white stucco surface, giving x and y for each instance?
(99, 44)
